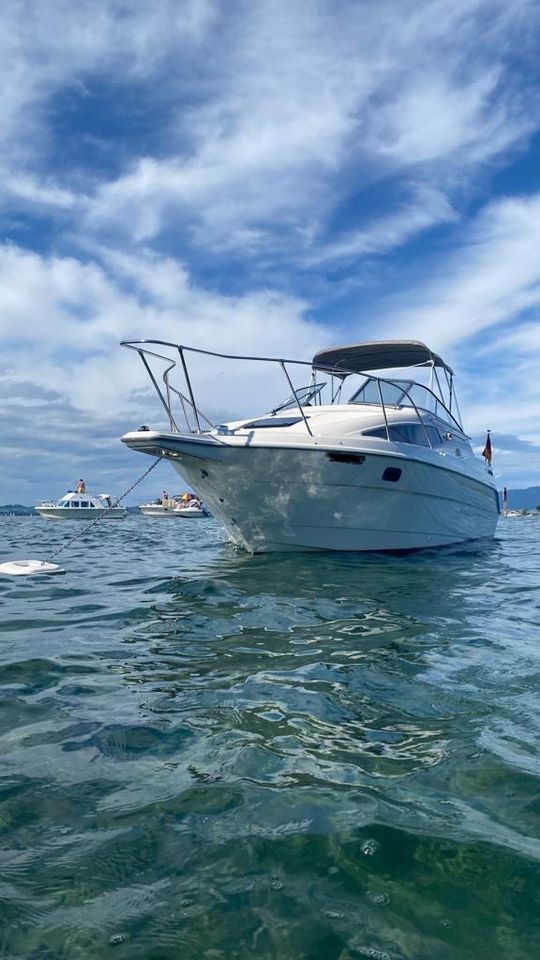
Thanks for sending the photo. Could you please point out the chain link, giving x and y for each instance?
(102, 515)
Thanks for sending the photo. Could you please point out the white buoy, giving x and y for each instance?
(22, 568)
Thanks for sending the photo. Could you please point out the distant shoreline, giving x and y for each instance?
(524, 498)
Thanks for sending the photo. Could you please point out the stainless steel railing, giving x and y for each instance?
(194, 417)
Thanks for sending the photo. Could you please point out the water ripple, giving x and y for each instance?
(213, 755)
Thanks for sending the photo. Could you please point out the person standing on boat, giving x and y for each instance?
(81, 487)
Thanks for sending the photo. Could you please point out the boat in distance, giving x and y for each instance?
(387, 466)
(191, 510)
(181, 506)
(81, 506)
(162, 507)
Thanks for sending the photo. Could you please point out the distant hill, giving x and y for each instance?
(526, 499)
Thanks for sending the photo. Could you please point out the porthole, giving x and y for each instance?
(392, 474)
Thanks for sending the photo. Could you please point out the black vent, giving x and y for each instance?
(337, 457)
(392, 474)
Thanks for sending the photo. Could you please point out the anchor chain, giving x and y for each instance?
(102, 515)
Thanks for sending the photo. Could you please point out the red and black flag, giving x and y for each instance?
(486, 452)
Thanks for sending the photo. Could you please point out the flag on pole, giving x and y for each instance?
(486, 452)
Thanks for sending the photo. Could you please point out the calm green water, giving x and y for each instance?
(211, 755)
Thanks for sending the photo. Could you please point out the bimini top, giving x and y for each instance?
(376, 355)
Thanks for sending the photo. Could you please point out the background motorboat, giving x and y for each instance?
(387, 467)
(161, 508)
(183, 504)
(80, 506)
(191, 508)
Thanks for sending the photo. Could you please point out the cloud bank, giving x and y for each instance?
(265, 176)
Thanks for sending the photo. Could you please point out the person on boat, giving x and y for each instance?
(165, 495)
(81, 486)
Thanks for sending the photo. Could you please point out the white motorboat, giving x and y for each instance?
(387, 468)
(191, 508)
(162, 508)
(80, 506)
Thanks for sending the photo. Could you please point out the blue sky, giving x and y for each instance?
(261, 176)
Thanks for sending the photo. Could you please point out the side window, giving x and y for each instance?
(378, 432)
(74, 503)
(405, 433)
(408, 433)
(434, 436)
(84, 503)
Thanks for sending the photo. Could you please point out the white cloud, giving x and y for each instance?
(436, 117)
(277, 111)
(275, 118)
(427, 208)
(489, 280)
(480, 307)
(30, 190)
(61, 321)
(66, 382)
(306, 106)
(47, 49)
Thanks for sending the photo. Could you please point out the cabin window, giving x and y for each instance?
(407, 433)
(84, 503)
(74, 503)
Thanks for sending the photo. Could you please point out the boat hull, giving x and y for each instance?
(285, 499)
(190, 513)
(159, 512)
(59, 513)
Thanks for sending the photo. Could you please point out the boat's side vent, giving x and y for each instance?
(335, 456)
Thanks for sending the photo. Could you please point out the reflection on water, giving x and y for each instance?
(207, 754)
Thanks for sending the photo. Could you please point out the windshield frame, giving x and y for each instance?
(406, 386)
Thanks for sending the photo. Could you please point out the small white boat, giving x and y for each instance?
(80, 506)
(161, 508)
(193, 508)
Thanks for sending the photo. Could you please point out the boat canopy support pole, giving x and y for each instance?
(286, 372)
(190, 391)
(383, 409)
(174, 428)
(439, 386)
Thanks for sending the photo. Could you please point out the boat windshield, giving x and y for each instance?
(400, 393)
(304, 396)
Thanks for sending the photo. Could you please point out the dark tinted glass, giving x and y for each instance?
(272, 422)
(407, 433)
